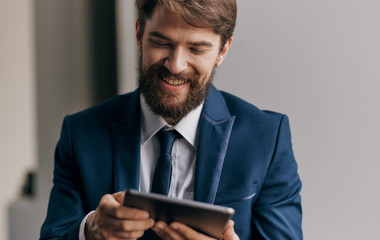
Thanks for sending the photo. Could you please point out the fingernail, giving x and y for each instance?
(174, 226)
(160, 226)
(151, 222)
(145, 215)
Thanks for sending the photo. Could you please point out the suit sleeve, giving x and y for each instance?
(277, 213)
(65, 210)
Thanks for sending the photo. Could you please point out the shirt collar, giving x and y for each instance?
(151, 123)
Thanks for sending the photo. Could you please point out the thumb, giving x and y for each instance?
(119, 196)
(229, 232)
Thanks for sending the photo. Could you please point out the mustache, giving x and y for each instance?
(160, 70)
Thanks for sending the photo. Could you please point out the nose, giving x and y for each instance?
(176, 61)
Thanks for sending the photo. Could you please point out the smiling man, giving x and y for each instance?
(225, 150)
(177, 62)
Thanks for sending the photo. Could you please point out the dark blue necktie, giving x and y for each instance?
(162, 172)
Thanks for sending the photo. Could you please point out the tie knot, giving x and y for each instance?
(166, 140)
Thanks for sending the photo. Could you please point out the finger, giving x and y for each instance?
(109, 205)
(187, 232)
(128, 225)
(123, 212)
(229, 232)
(230, 224)
(123, 229)
(123, 235)
(165, 232)
(158, 228)
(163, 235)
(119, 196)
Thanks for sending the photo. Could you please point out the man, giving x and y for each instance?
(229, 152)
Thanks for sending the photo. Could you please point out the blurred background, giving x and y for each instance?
(316, 61)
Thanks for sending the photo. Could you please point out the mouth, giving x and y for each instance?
(174, 82)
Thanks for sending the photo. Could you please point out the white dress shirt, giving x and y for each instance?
(184, 153)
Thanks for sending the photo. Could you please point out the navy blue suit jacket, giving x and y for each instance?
(244, 161)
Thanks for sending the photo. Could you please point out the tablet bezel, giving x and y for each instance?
(203, 217)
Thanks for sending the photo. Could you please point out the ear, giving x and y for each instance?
(223, 53)
(138, 35)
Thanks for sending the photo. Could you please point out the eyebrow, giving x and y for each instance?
(198, 44)
(159, 35)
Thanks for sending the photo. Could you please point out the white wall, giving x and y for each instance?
(17, 102)
(319, 62)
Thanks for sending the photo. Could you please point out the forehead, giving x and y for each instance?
(173, 26)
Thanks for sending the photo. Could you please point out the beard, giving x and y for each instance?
(167, 104)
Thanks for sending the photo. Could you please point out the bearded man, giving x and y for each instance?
(229, 152)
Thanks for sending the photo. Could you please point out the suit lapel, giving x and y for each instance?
(126, 145)
(215, 127)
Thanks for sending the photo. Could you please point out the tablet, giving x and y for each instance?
(202, 217)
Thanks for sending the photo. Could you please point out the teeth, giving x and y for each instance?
(174, 81)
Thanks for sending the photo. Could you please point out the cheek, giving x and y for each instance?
(205, 70)
(146, 60)
(155, 53)
(205, 64)
(150, 56)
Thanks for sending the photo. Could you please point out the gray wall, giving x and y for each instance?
(17, 106)
(318, 62)
(75, 67)
(62, 86)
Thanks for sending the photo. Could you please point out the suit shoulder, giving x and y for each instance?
(243, 109)
(109, 109)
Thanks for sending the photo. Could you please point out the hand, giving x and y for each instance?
(112, 220)
(179, 231)
(229, 232)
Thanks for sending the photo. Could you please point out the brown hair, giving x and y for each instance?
(219, 15)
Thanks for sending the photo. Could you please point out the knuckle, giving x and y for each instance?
(136, 234)
(139, 234)
(104, 198)
(118, 213)
(126, 226)
(101, 224)
(103, 233)
(104, 201)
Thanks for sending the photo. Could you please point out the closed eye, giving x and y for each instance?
(201, 47)
(198, 51)
(160, 44)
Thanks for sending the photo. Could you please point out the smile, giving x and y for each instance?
(174, 82)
